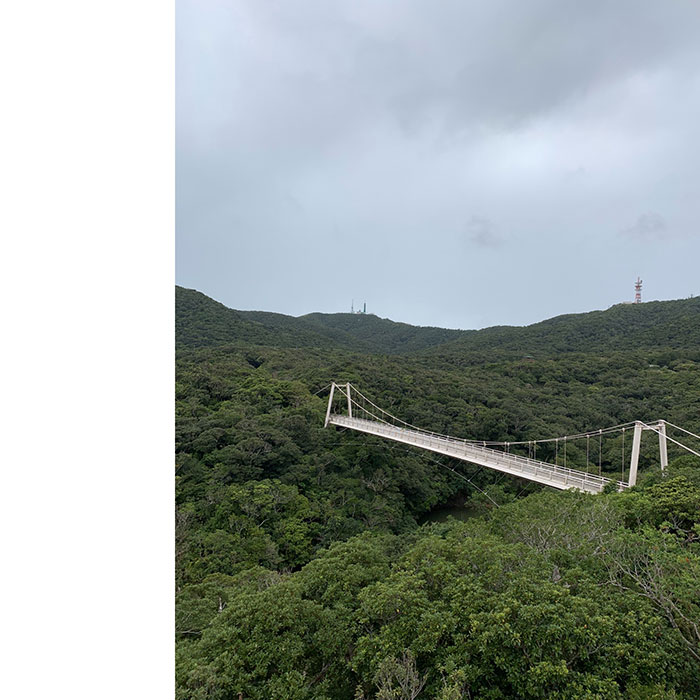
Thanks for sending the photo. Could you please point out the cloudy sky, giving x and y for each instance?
(451, 163)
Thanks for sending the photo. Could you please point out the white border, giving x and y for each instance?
(87, 177)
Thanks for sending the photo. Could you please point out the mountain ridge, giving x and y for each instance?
(202, 321)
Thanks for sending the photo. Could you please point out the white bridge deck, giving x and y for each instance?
(524, 467)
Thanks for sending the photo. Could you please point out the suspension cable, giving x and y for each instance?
(677, 427)
(494, 443)
(680, 444)
(588, 440)
(506, 445)
(461, 476)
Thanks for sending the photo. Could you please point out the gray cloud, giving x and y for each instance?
(313, 133)
(481, 233)
(648, 227)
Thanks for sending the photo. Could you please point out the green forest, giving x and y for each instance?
(319, 564)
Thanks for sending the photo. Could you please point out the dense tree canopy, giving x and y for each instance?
(303, 572)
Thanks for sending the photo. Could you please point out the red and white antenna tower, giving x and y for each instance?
(638, 291)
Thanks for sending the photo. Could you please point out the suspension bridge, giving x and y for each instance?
(348, 408)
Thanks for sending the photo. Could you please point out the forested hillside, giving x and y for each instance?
(672, 324)
(383, 335)
(201, 321)
(303, 572)
(657, 324)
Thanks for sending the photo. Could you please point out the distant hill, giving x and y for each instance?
(384, 335)
(655, 324)
(201, 321)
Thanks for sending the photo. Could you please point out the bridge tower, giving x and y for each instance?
(660, 429)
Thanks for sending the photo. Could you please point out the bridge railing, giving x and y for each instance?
(565, 475)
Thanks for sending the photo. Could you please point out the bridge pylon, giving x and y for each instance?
(660, 428)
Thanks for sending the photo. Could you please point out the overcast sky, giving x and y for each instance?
(451, 163)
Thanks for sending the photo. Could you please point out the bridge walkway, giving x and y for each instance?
(524, 467)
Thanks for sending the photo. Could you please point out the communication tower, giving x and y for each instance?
(638, 291)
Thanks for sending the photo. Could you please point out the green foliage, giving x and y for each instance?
(302, 571)
(672, 504)
(460, 612)
(656, 324)
(383, 335)
(201, 321)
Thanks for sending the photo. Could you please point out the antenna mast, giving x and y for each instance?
(638, 291)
